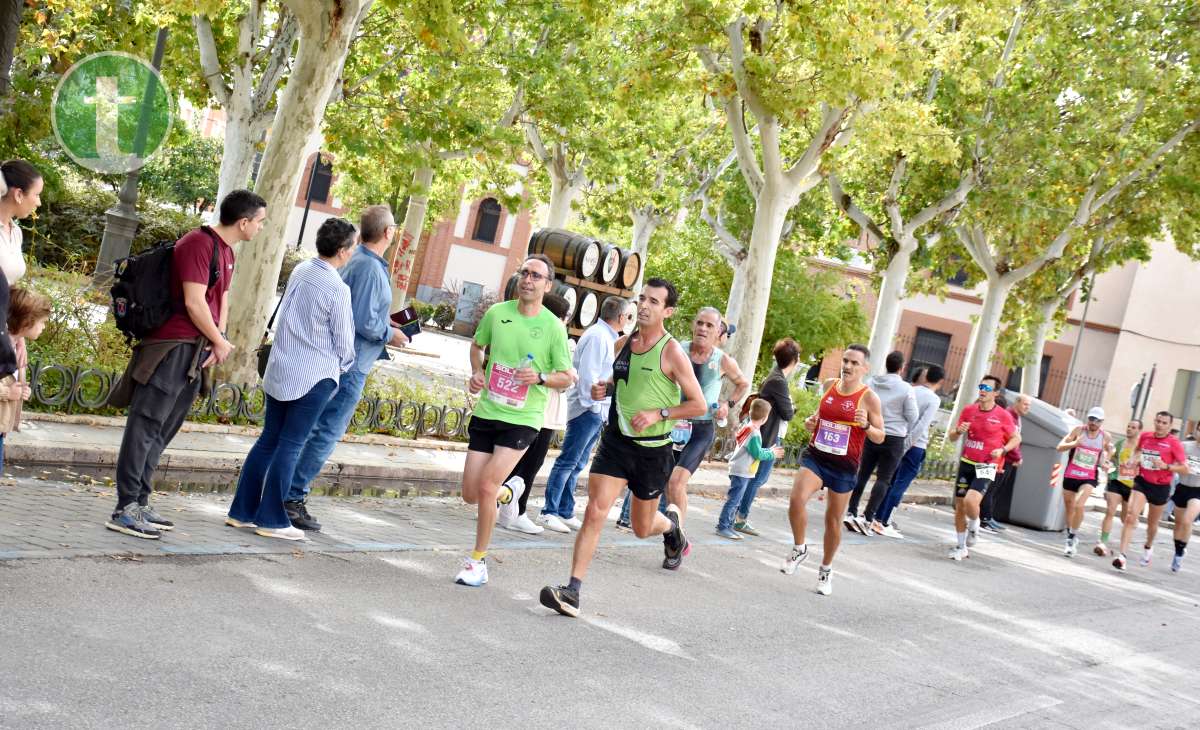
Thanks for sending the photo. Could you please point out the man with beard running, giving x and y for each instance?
(1158, 456)
(650, 373)
(1089, 447)
(991, 433)
(849, 414)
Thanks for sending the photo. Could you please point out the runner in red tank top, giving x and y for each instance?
(991, 433)
(849, 414)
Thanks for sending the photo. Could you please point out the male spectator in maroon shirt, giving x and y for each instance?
(164, 371)
(1006, 478)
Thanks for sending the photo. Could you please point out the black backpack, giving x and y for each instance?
(141, 290)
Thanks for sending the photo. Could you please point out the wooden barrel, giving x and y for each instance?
(631, 268)
(588, 309)
(510, 289)
(566, 291)
(572, 253)
(610, 264)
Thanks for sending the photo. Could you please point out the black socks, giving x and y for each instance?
(575, 584)
(1180, 546)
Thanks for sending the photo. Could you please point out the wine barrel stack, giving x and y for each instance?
(586, 272)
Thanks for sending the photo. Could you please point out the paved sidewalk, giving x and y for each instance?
(208, 457)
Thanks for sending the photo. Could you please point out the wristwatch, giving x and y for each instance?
(665, 413)
(731, 403)
(542, 378)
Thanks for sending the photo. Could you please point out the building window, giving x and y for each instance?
(1014, 377)
(487, 221)
(929, 348)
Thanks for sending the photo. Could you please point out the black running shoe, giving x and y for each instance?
(675, 544)
(297, 512)
(561, 599)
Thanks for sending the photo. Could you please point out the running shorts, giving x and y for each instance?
(1183, 495)
(704, 433)
(1156, 494)
(837, 481)
(485, 434)
(645, 468)
(1117, 488)
(967, 482)
(1073, 485)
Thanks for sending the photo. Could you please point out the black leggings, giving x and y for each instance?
(882, 459)
(531, 462)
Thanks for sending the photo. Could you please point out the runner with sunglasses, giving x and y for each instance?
(520, 350)
(991, 433)
(849, 414)
(1090, 448)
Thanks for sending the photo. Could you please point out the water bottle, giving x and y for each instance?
(528, 362)
(712, 408)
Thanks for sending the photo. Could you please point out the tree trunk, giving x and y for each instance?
(563, 192)
(888, 309)
(983, 340)
(325, 36)
(644, 225)
(404, 250)
(10, 30)
(237, 155)
(1031, 374)
(770, 213)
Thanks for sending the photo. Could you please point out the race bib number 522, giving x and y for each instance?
(503, 386)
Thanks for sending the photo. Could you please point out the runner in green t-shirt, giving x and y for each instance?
(1120, 481)
(520, 349)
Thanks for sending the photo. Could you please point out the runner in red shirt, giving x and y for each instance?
(849, 414)
(991, 433)
(1157, 456)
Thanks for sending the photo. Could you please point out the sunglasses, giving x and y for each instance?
(535, 276)
(986, 388)
(1093, 419)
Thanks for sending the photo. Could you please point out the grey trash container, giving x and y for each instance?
(1034, 502)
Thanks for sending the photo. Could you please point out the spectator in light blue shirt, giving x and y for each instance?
(593, 360)
(314, 345)
(371, 301)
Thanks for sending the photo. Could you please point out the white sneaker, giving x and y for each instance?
(1101, 549)
(889, 531)
(793, 560)
(1071, 548)
(473, 573)
(1147, 554)
(861, 526)
(824, 582)
(283, 533)
(553, 523)
(522, 523)
(958, 553)
(574, 523)
(512, 490)
(972, 538)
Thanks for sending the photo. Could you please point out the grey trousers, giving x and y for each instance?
(157, 411)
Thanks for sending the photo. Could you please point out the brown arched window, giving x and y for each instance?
(487, 221)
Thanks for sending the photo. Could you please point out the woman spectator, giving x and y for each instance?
(20, 195)
(314, 345)
(774, 390)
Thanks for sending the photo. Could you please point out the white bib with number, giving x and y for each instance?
(985, 471)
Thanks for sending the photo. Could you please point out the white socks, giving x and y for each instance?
(962, 540)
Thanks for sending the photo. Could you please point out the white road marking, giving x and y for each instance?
(650, 641)
(395, 622)
(997, 712)
(410, 565)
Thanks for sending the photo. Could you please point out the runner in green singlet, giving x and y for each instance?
(650, 372)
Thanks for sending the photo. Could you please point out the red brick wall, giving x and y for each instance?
(430, 267)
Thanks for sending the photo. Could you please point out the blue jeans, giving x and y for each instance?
(583, 431)
(760, 478)
(910, 466)
(271, 462)
(329, 429)
(733, 499)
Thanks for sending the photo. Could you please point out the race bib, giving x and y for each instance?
(1085, 458)
(503, 387)
(985, 471)
(1126, 471)
(681, 433)
(1148, 458)
(832, 438)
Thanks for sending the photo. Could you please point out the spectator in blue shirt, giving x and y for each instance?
(314, 345)
(371, 302)
(593, 361)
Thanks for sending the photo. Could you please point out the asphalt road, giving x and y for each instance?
(1016, 636)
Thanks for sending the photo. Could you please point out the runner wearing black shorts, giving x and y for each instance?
(1158, 456)
(650, 373)
(1187, 502)
(1088, 449)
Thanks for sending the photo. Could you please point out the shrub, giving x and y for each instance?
(443, 315)
(80, 330)
(424, 310)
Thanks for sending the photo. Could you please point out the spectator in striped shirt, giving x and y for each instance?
(314, 345)
(370, 301)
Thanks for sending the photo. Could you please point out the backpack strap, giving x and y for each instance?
(214, 273)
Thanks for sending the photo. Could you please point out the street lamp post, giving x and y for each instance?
(121, 220)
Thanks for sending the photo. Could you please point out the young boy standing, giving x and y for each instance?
(744, 463)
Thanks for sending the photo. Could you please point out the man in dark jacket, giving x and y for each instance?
(774, 389)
